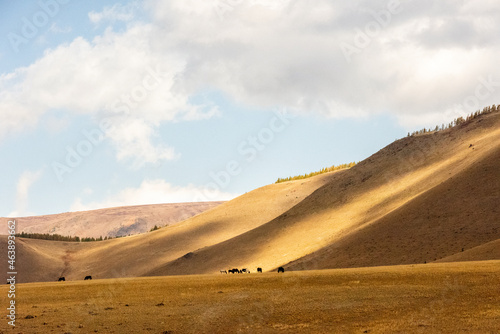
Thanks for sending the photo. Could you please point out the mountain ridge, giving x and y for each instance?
(420, 199)
(110, 222)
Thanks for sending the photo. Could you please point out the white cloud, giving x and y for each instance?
(115, 77)
(290, 55)
(117, 12)
(425, 60)
(133, 139)
(26, 180)
(155, 192)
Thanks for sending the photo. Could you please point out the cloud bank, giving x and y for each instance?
(420, 61)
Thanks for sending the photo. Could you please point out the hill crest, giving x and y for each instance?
(110, 222)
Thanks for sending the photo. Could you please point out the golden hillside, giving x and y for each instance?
(421, 199)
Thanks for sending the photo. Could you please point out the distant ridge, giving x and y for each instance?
(110, 222)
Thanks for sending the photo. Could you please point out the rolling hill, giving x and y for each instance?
(418, 200)
(421, 199)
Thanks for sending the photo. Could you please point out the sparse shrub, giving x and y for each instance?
(58, 237)
(322, 171)
(458, 121)
(154, 228)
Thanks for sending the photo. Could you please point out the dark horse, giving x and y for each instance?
(281, 270)
(88, 277)
(259, 270)
(61, 279)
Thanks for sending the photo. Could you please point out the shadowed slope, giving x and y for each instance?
(488, 251)
(38, 260)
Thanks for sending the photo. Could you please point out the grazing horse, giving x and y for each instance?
(234, 271)
(259, 270)
(88, 277)
(281, 270)
(223, 271)
(61, 279)
(245, 270)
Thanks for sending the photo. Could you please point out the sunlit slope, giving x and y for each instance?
(137, 255)
(407, 190)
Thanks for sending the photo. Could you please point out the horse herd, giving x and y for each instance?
(246, 271)
(230, 271)
(63, 279)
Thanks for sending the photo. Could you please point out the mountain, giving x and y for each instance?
(426, 198)
(111, 222)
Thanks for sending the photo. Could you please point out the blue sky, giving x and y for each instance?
(107, 103)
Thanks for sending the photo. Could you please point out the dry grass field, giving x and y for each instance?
(462, 297)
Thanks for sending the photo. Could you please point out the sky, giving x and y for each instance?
(106, 103)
